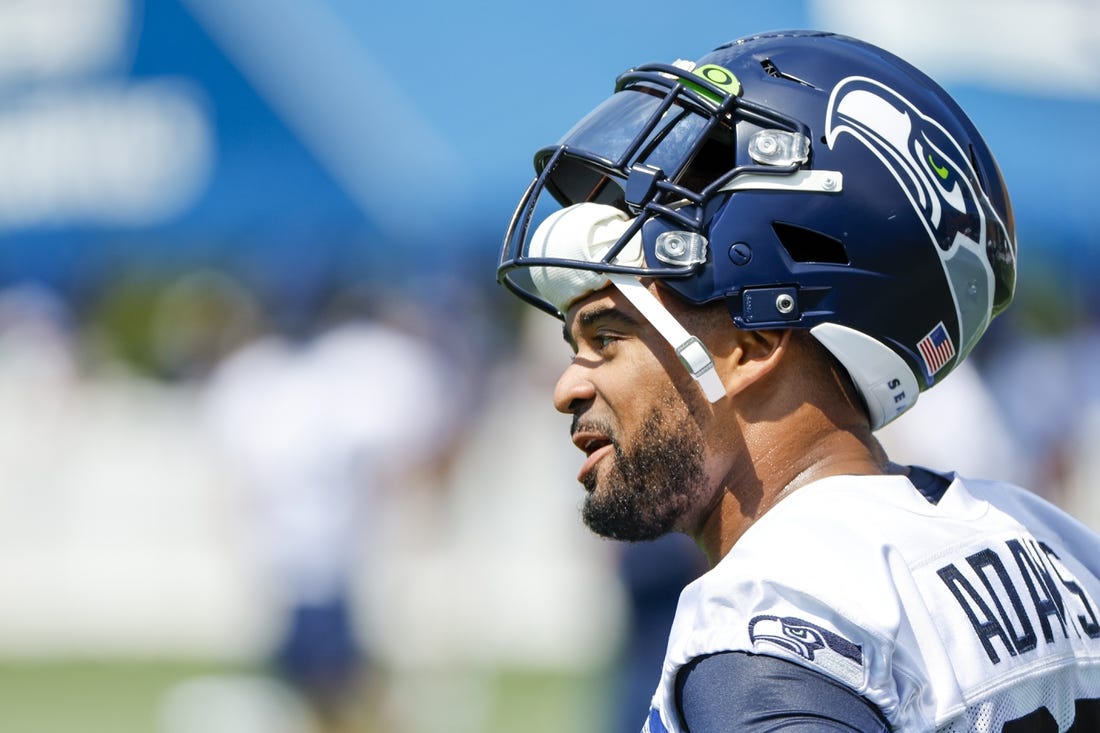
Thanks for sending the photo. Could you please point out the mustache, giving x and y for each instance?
(592, 425)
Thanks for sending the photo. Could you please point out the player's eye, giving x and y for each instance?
(605, 340)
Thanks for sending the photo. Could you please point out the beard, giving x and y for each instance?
(648, 485)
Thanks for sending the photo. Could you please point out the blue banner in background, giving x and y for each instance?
(304, 138)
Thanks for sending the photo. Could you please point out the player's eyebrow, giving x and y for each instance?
(604, 315)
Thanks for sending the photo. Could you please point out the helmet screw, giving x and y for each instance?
(740, 253)
(784, 303)
(829, 183)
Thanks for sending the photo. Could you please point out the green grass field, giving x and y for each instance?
(93, 697)
(128, 697)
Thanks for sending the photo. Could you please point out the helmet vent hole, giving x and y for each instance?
(806, 245)
(772, 70)
(977, 168)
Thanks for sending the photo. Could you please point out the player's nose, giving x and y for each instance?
(573, 389)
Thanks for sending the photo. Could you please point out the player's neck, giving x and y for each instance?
(811, 451)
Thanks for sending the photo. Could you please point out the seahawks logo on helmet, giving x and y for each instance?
(939, 182)
(826, 649)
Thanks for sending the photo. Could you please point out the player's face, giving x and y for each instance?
(644, 473)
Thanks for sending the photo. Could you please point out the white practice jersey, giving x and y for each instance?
(961, 615)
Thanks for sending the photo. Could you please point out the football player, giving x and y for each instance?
(761, 257)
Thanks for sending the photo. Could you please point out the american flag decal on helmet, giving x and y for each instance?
(936, 349)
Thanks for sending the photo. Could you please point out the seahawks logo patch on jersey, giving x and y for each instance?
(830, 651)
(653, 723)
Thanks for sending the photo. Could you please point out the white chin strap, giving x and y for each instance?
(691, 351)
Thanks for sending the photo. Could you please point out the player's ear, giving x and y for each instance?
(746, 357)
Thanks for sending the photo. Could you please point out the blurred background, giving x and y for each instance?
(277, 454)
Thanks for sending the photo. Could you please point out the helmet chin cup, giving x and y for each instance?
(581, 234)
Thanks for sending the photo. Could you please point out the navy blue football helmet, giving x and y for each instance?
(808, 180)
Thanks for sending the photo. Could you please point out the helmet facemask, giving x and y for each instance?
(661, 148)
